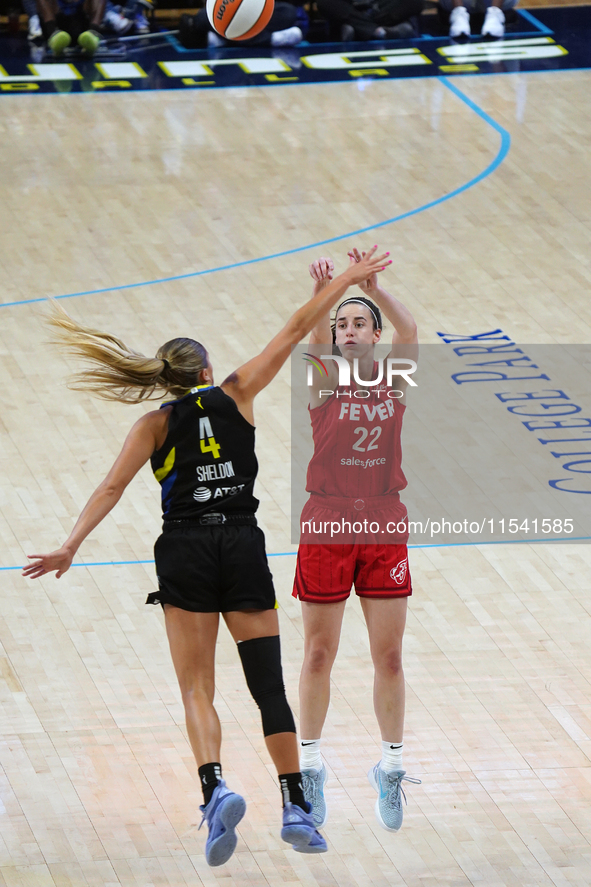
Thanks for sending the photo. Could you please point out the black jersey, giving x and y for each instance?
(207, 462)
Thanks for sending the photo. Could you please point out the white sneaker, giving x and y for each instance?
(35, 31)
(141, 23)
(313, 782)
(459, 22)
(117, 22)
(494, 23)
(287, 37)
(388, 807)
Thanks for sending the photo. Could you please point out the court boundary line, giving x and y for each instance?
(461, 74)
(492, 166)
(293, 553)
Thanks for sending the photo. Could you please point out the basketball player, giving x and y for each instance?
(354, 474)
(210, 558)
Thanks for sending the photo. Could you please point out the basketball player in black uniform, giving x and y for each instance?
(210, 558)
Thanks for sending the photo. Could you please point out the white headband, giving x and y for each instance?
(360, 302)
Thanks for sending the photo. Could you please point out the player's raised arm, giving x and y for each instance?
(246, 382)
(321, 272)
(405, 328)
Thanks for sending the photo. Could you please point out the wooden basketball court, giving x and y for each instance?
(103, 192)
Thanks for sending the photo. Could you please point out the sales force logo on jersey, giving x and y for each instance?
(399, 572)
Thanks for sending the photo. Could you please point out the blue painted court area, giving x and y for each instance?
(551, 40)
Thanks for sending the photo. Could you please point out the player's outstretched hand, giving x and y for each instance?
(41, 564)
(369, 283)
(321, 272)
(364, 266)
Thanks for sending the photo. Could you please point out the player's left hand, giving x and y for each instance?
(370, 283)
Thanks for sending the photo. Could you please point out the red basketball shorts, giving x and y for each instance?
(325, 573)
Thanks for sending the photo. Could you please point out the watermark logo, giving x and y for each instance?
(396, 367)
(312, 362)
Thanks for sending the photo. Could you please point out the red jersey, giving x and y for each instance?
(355, 475)
(357, 447)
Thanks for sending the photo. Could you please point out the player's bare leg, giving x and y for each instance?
(386, 620)
(322, 631)
(192, 638)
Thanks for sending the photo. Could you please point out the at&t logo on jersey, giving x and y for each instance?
(203, 494)
(399, 572)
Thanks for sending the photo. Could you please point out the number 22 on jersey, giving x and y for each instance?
(373, 436)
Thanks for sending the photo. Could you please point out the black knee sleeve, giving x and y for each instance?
(261, 661)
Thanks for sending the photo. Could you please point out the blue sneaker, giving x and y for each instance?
(390, 793)
(223, 813)
(299, 831)
(313, 782)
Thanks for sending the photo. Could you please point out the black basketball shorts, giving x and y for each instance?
(213, 569)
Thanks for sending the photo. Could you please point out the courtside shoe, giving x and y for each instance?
(459, 23)
(223, 813)
(59, 41)
(89, 41)
(390, 793)
(141, 23)
(299, 831)
(117, 22)
(494, 23)
(287, 37)
(313, 782)
(34, 30)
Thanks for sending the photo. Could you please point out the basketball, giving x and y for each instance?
(239, 19)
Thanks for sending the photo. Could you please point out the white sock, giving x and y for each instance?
(310, 758)
(391, 756)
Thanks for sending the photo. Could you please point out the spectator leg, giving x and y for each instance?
(47, 10)
(95, 10)
(393, 12)
(341, 12)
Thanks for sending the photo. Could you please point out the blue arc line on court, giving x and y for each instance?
(293, 553)
(493, 165)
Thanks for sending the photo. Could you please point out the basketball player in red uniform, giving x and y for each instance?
(354, 480)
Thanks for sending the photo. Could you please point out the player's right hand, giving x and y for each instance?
(321, 269)
(59, 560)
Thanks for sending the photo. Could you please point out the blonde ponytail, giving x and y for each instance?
(118, 373)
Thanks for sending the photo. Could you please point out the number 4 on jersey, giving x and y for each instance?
(208, 441)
